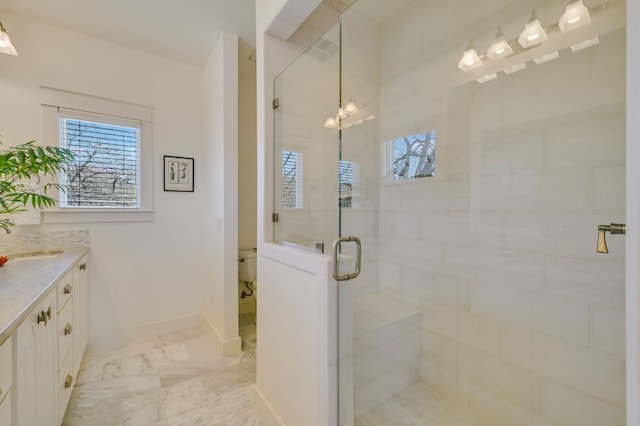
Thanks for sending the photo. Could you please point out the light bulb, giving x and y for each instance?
(533, 33)
(330, 123)
(470, 59)
(499, 47)
(351, 107)
(5, 42)
(4, 39)
(576, 15)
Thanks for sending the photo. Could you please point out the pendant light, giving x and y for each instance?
(499, 47)
(576, 15)
(470, 59)
(533, 33)
(5, 42)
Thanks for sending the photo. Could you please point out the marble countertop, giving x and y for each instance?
(26, 281)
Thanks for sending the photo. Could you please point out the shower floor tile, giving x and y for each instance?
(420, 405)
(178, 378)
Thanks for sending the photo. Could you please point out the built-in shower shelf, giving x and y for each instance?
(386, 349)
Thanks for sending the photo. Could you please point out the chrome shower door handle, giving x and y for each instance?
(356, 272)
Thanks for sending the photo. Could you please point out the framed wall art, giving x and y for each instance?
(178, 174)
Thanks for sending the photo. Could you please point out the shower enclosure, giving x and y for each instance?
(474, 148)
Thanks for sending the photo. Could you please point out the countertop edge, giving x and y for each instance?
(68, 260)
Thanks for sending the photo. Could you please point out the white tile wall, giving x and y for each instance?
(607, 330)
(521, 319)
(564, 405)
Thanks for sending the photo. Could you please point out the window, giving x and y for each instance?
(105, 172)
(291, 180)
(414, 156)
(347, 184)
(111, 177)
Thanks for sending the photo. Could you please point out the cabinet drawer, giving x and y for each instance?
(65, 386)
(64, 290)
(65, 332)
(6, 375)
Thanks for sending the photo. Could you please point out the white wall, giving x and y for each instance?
(221, 153)
(292, 386)
(141, 273)
(247, 149)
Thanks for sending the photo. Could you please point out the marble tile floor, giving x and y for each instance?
(420, 405)
(178, 378)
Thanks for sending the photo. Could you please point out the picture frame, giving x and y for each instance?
(178, 174)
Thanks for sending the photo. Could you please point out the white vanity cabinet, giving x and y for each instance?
(43, 300)
(6, 381)
(35, 365)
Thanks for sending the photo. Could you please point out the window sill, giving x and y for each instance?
(96, 216)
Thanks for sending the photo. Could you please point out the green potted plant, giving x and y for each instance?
(21, 164)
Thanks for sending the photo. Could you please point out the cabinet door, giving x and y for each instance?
(6, 381)
(80, 311)
(36, 366)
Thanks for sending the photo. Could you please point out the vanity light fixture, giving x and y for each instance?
(5, 42)
(576, 15)
(499, 47)
(533, 33)
(351, 107)
(470, 59)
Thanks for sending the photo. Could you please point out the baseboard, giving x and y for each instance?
(265, 410)
(107, 342)
(229, 347)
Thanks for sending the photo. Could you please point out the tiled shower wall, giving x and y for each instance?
(522, 320)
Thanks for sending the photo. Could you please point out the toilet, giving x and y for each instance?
(247, 281)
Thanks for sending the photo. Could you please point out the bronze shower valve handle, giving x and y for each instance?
(613, 228)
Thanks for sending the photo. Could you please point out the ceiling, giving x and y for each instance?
(183, 30)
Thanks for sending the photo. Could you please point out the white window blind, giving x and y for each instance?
(291, 179)
(345, 183)
(106, 170)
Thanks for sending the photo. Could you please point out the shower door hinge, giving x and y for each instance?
(275, 103)
(275, 217)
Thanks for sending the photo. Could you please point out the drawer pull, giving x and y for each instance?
(67, 289)
(67, 329)
(83, 266)
(42, 317)
(68, 382)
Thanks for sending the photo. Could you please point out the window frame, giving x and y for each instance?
(58, 104)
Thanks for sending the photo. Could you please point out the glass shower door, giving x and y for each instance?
(305, 147)
(478, 176)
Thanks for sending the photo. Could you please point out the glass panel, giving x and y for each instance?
(482, 299)
(306, 147)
